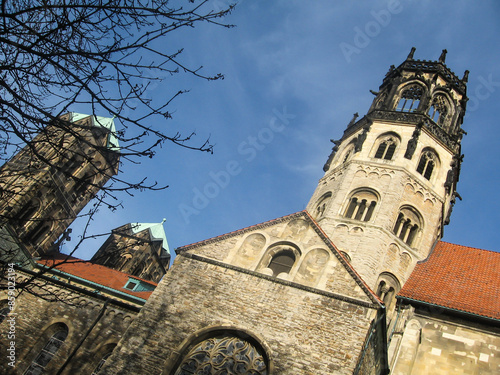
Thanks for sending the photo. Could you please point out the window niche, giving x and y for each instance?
(279, 260)
(410, 98)
(427, 164)
(386, 147)
(439, 110)
(408, 225)
(104, 355)
(49, 349)
(320, 209)
(387, 288)
(361, 205)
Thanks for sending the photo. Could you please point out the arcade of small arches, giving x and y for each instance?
(361, 205)
(283, 259)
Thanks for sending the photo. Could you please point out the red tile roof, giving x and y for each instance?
(458, 277)
(95, 273)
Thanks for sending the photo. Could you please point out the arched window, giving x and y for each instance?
(224, 354)
(410, 98)
(361, 206)
(48, 351)
(346, 156)
(408, 225)
(387, 287)
(427, 163)
(386, 148)
(282, 262)
(438, 110)
(321, 206)
(108, 350)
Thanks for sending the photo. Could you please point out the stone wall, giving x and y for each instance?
(443, 344)
(94, 328)
(302, 330)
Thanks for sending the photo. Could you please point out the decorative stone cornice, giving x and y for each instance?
(450, 141)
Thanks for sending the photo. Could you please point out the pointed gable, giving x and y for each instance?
(308, 257)
(459, 278)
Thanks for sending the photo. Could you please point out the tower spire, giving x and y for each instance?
(390, 181)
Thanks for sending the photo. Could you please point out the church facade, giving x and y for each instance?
(358, 283)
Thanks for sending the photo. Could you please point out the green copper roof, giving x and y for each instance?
(104, 122)
(156, 231)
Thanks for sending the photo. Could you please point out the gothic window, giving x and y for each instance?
(348, 153)
(282, 262)
(224, 354)
(321, 206)
(361, 206)
(386, 148)
(438, 110)
(410, 98)
(407, 226)
(427, 163)
(48, 351)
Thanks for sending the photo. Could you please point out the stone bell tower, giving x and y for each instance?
(46, 184)
(390, 181)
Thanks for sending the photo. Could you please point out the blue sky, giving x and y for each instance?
(295, 72)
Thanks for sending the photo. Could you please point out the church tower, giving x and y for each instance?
(139, 249)
(46, 184)
(390, 181)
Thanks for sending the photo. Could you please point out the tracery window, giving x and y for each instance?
(426, 164)
(47, 353)
(438, 110)
(224, 355)
(410, 98)
(407, 226)
(282, 262)
(361, 206)
(386, 149)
